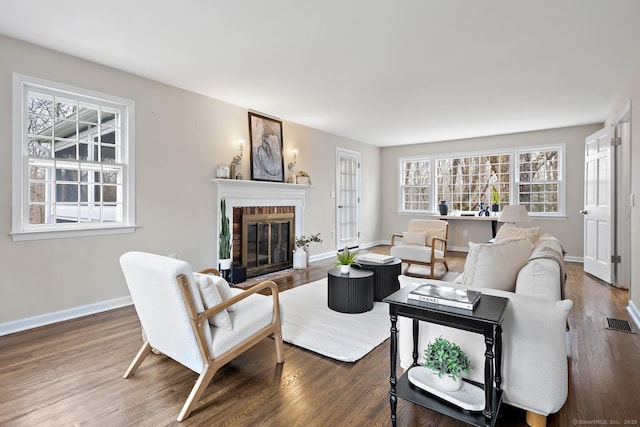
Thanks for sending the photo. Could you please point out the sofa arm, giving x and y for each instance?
(534, 362)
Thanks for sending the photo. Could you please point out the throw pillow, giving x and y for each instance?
(210, 298)
(224, 289)
(496, 265)
(414, 237)
(508, 231)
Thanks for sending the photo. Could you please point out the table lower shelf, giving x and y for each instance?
(407, 391)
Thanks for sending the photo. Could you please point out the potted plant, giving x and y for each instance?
(303, 242)
(224, 242)
(303, 178)
(345, 260)
(495, 199)
(447, 361)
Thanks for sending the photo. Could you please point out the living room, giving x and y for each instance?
(180, 138)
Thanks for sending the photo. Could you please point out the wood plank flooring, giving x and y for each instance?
(71, 374)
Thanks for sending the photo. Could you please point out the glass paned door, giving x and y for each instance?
(348, 199)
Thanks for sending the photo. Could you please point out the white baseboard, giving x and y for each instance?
(19, 325)
(332, 254)
(577, 259)
(634, 313)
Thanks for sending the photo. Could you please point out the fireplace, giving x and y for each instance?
(263, 238)
(245, 198)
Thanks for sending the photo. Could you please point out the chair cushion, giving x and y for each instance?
(210, 298)
(496, 265)
(434, 232)
(414, 253)
(254, 313)
(507, 231)
(414, 238)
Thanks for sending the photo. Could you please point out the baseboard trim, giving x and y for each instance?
(634, 313)
(20, 325)
(332, 254)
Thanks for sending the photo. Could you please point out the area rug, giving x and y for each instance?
(309, 323)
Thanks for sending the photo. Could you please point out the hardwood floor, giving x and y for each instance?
(71, 374)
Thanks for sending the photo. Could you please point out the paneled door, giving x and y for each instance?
(598, 184)
(347, 198)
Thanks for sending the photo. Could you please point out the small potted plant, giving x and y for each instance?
(495, 199)
(303, 178)
(345, 260)
(224, 242)
(447, 361)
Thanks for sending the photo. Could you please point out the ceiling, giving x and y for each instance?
(377, 71)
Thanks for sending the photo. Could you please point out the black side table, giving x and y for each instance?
(485, 319)
(385, 277)
(350, 293)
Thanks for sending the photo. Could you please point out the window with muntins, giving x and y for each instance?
(73, 165)
(539, 180)
(529, 176)
(415, 185)
(467, 183)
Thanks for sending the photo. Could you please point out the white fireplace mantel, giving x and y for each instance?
(239, 193)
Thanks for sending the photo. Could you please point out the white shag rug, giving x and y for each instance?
(308, 322)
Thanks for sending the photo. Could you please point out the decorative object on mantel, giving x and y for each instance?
(234, 173)
(301, 177)
(224, 242)
(303, 242)
(495, 199)
(291, 166)
(222, 171)
(267, 161)
(345, 260)
(443, 207)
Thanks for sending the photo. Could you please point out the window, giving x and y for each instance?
(530, 176)
(539, 180)
(415, 185)
(467, 182)
(72, 160)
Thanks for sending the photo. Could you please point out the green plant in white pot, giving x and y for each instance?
(224, 242)
(447, 361)
(345, 260)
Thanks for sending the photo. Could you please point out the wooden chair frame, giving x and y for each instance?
(199, 321)
(442, 244)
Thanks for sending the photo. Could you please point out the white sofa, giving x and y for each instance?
(534, 367)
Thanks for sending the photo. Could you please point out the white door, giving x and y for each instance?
(347, 199)
(598, 183)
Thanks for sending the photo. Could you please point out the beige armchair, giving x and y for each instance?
(171, 308)
(425, 243)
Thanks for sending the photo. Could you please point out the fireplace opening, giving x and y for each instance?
(267, 241)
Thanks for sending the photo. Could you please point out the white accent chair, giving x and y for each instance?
(425, 243)
(176, 324)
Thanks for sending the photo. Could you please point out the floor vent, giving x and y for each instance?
(619, 325)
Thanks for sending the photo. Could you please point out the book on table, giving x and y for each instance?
(376, 258)
(445, 295)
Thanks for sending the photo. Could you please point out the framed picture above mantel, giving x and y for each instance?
(267, 160)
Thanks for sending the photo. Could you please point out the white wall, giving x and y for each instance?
(569, 230)
(180, 138)
(631, 92)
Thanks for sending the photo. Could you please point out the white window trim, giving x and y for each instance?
(562, 148)
(513, 153)
(19, 175)
(401, 160)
